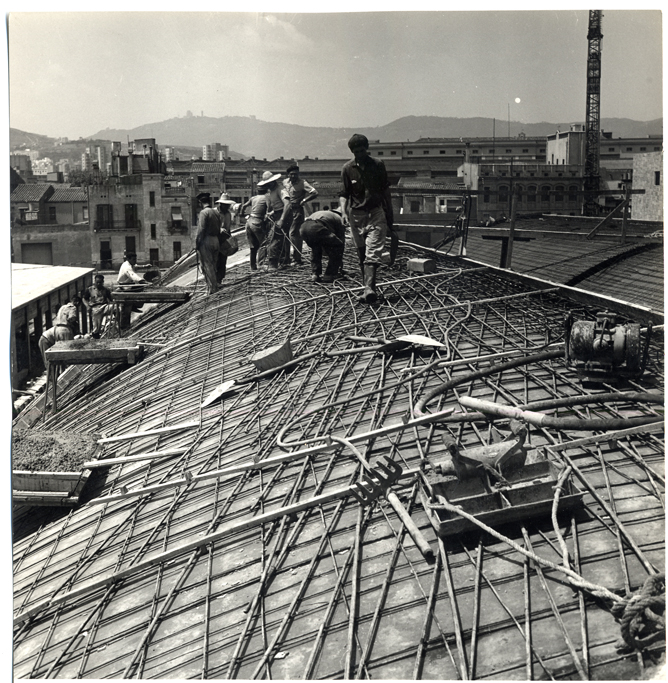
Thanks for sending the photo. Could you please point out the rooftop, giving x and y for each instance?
(31, 193)
(215, 561)
(30, 281)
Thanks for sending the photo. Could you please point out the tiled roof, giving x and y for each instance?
(30, 193)
(207, 167)
(69, 194)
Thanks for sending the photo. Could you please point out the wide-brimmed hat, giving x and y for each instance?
(225, 199)
(268, 177)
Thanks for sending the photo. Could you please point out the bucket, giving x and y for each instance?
(273, 357)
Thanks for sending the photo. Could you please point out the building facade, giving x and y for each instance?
(648, 176)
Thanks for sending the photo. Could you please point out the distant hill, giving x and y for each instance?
(265, 139)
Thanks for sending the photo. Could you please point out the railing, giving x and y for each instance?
(178, 229)
(104, 226)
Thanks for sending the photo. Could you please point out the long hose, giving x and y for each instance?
(524, 411)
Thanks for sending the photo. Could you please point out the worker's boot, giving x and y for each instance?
(369, 295)
(361, 252)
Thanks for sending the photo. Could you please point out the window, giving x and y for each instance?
(503, 173)
(410, 151)
(642, 149)
(130, 244)
(380, 154)
(657, 149)
(131, 216)
(542, 150)
(572, 193)
(105, 216)
(154, 257)
(560, 174)
(629, 149)
(491, 151)
(459, 151)
(52, 213)
(177, 216)
(611, 149)
(153, 231)
(531, 194)
(545, 194)
(415, 206)
(532, 174)
(509, 151)
(393, 154)
(200, 179)
(517, 175)
(441, 151)
(85, 213)
(151, 198)
(657, 177)
(559, 197)
(485, 197)
(525, 151)
(475, 151)
(503, 194)
(105, 254)
(316, 206)
(177, 250)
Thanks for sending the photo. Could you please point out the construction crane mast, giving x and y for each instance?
(593, 118)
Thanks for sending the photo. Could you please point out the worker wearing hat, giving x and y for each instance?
(299, 192)
(210, 233)
(366, 204)
(278, 203)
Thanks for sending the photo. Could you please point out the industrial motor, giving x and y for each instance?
(604, 349)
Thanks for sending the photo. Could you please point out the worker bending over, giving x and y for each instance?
(324, 231)
(61, 331)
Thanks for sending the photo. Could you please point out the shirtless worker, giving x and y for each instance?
(367, 206)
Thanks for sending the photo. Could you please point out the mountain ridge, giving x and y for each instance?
(250, 136)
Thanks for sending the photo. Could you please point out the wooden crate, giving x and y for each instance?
(48, 488)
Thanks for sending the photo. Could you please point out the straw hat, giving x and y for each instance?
(225, 199)
(268, 177)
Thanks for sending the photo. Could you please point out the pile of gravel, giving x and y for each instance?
(56, 451)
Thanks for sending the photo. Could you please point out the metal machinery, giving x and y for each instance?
(604, 349)
(496, 484)
(593, 115)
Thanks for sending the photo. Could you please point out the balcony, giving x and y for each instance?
(107, 226)
(177, 228)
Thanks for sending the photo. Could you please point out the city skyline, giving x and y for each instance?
(73, 74)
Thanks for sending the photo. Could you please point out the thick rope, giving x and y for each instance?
(642, 615)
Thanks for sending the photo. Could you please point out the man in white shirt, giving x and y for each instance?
(130, 281)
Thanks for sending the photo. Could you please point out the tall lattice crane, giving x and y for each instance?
(592, 173)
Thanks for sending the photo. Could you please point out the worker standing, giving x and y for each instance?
(299, 192)
(324, 231)
(256, 228)
(223, 207)
(278, 204)
(207, 243)
(367, 205)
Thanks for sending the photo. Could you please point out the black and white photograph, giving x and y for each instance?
(336, 342)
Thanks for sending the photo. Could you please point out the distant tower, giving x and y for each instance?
(593, 120)
(101, 153)
(169, 154)
(85, 160)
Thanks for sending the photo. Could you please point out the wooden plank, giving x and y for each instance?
(150, 432)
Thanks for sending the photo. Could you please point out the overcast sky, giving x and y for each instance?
(74, 74)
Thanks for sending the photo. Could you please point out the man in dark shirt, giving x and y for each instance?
(324, 231)
(366, 204)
